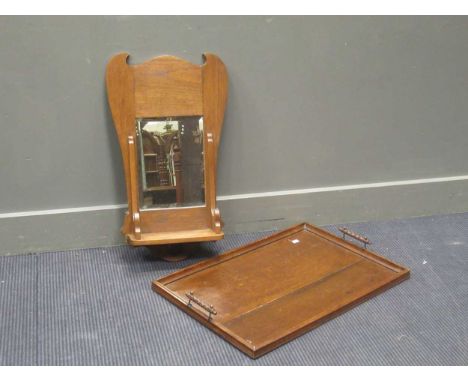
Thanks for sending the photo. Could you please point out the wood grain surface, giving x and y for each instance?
(168, 86)
(273, 290)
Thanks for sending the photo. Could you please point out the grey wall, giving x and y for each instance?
(313, 102)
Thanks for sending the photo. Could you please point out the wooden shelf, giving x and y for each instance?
(175, 237)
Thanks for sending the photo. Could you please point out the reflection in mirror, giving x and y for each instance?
(171, 162)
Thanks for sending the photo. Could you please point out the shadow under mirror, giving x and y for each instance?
(171, 161)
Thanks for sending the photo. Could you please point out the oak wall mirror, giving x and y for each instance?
(168, 114)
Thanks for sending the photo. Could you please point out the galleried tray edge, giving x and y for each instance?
(160, 286)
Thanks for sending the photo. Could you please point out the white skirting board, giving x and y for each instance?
(95, 226)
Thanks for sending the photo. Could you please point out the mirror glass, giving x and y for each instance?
(171, 162)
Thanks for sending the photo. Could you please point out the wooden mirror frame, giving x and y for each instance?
(168, 86)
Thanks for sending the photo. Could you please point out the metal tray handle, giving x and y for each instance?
(347, 232)
(209, 308)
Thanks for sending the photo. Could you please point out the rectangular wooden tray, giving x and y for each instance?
(271, 291)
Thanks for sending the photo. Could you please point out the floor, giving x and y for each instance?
(96, 307)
